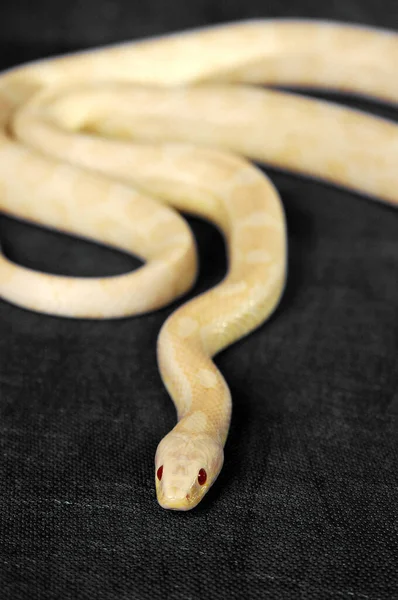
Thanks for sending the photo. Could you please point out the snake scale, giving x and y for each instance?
(106, 144)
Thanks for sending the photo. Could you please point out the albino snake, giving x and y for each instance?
(89, 140)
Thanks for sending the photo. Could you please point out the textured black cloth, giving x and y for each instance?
(307, 503)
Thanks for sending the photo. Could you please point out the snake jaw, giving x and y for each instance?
(182, 504)
(180, 501)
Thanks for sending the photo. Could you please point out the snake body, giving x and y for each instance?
(106, 144)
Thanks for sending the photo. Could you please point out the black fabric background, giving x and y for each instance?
(307, 503)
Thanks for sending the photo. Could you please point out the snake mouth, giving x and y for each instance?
(175, 504)
(183, 503)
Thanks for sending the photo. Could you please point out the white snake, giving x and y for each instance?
(87, 139)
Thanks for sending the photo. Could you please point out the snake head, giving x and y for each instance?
(186, 466)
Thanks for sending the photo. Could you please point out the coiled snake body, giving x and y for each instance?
(106, 144)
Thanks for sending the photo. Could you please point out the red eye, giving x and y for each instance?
(159, 473)
(202, 476)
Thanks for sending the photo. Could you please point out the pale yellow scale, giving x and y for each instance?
(106, 144)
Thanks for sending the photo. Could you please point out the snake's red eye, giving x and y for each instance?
(202, 476)
(159, 473)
